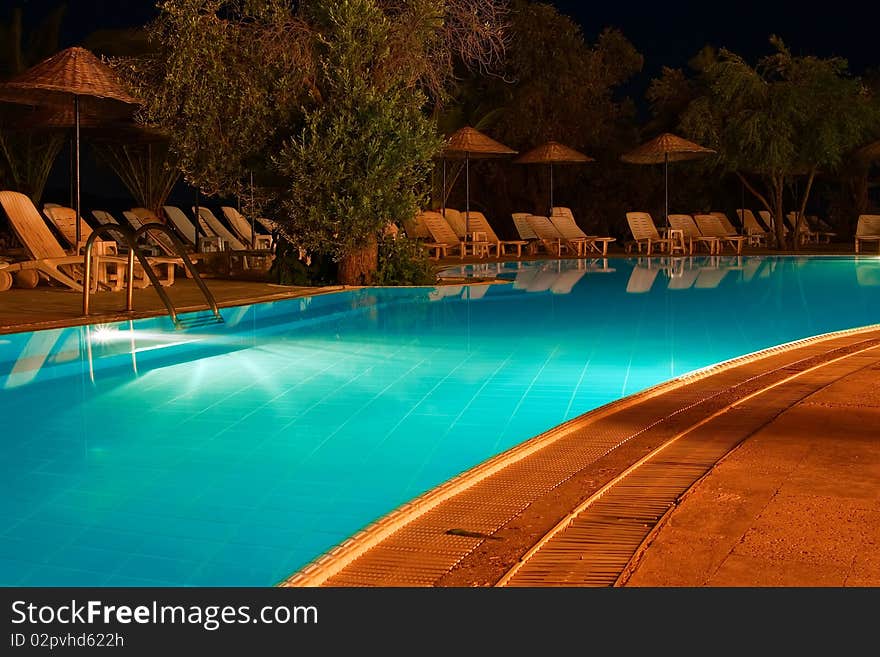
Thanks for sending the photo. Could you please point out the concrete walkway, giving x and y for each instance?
(797, 504)
(52, 307)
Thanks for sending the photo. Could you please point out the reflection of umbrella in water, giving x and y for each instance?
(73, 78)
(665, 149)
(467, 143)
(553, 153)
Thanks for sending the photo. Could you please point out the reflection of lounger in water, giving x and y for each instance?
(868, 275)
(524, 278)
(684, 279)
(33, 356)
(443, 291)
(598, 265)
(543, 280)
(750, 268)
(710, 277)
(475, 291)
(566, 281)
(641, 279)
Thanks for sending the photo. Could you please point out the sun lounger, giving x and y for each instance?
(444, 240)
(645, 233)
(182, 225)
(867, 231)
(47, 256)
(415, 228)
(692, 235)
(564, 221)
(64, 220)
(710, 226)
(756, 234)
(479, 223)
(242, 226)
(807, 233)
(554, 241)
(525, 231)
(213, 226)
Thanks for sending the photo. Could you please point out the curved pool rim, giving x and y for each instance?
(330, 563)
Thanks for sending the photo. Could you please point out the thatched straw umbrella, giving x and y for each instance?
(664, 149)
(72, 78)
(553, 153)
(467, 143)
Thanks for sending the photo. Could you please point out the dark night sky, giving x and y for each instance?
(666, 33)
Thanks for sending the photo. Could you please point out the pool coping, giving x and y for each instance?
(333, 561)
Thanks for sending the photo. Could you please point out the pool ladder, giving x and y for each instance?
(130, 238)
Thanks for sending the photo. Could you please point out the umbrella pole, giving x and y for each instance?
(666, 167)
(551, 190)
(76, 170)
(467, 192)
(443, 192)
(198, 224)
(253, 211)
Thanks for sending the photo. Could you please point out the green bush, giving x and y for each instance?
(288, 269)
(403, 261)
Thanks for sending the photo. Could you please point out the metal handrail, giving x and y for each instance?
(181, 252)
(130, 237)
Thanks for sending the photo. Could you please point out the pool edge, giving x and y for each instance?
(331, 562)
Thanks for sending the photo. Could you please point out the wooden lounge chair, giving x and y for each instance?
(564, 221)
(807, 233)
(479, 223)
(64, 220)
(767, 218)
(241, 226)
(415, 228)
(756, 234)
(692, 235)
(444, 238)
(554, 241)
(182, 225)
(456, 221)
(867, 230)
(525, 231)
(47, 256)
(729, 228)
(710, 226)
(213, 226)
(645, 233)
(104, 218)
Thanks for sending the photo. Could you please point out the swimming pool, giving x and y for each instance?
(234, 454)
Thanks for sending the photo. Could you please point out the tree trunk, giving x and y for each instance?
(359, 266)
(778, 211)
(799, 216)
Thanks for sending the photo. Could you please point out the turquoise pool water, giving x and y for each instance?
(134, 454)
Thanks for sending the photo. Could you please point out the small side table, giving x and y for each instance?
(676, 241)
(478, 244)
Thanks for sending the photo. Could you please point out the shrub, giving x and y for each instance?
(403, 261)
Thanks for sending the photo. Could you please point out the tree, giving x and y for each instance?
(554, 84)
(786, 116)
(241, 87)
(363, 157)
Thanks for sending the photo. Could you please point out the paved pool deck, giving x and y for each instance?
(52, 306)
